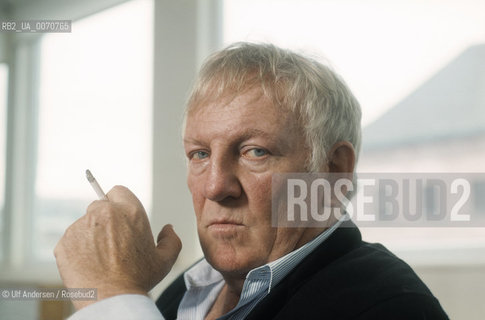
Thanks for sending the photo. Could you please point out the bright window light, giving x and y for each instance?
(384, 50)
(94, 113)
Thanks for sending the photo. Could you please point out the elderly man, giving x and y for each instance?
(255, 111)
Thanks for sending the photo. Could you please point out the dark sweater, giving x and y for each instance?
(343, 278)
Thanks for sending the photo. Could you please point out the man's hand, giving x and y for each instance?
(111, 248)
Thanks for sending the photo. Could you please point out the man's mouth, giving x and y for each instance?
(225, 226)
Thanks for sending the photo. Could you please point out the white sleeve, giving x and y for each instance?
(126, 306)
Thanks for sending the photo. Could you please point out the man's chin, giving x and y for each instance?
(230, 269)
(229, 264)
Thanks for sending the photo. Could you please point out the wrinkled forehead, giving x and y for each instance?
(222, 91)
(222, 86)
(240, 117)
(248, 112)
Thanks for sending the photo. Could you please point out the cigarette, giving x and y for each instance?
(95, 185)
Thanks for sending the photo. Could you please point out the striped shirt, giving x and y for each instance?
(204, 283)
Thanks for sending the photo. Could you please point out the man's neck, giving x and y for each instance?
(230, 294)
(227, 300)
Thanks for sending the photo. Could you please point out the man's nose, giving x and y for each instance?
(222, 181)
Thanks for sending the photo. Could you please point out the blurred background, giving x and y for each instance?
(109, 96)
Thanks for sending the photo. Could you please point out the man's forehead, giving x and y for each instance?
(240, 124)
(213, 99)
(248, 110)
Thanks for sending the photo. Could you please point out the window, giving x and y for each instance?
(94, 113)
(386, 52)
(3, 135)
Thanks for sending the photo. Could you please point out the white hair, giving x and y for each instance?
(323, 104)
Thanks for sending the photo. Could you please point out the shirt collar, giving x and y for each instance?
(202, 274)
(279, 268)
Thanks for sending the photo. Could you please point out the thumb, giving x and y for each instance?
(168, 244)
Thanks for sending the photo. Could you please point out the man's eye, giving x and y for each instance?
(200, 155)
(256, 153)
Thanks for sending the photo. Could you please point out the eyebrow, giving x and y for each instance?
(248, 134)
(277, 141)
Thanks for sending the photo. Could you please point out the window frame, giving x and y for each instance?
(21, 150)
(200, 27)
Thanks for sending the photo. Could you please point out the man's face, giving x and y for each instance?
(234, 147)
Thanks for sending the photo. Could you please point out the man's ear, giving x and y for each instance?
(341, 157)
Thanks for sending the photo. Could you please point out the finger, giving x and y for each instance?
(122, 194)
(96, 205)
(99, 213)
(163, 232)
(168, 243)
